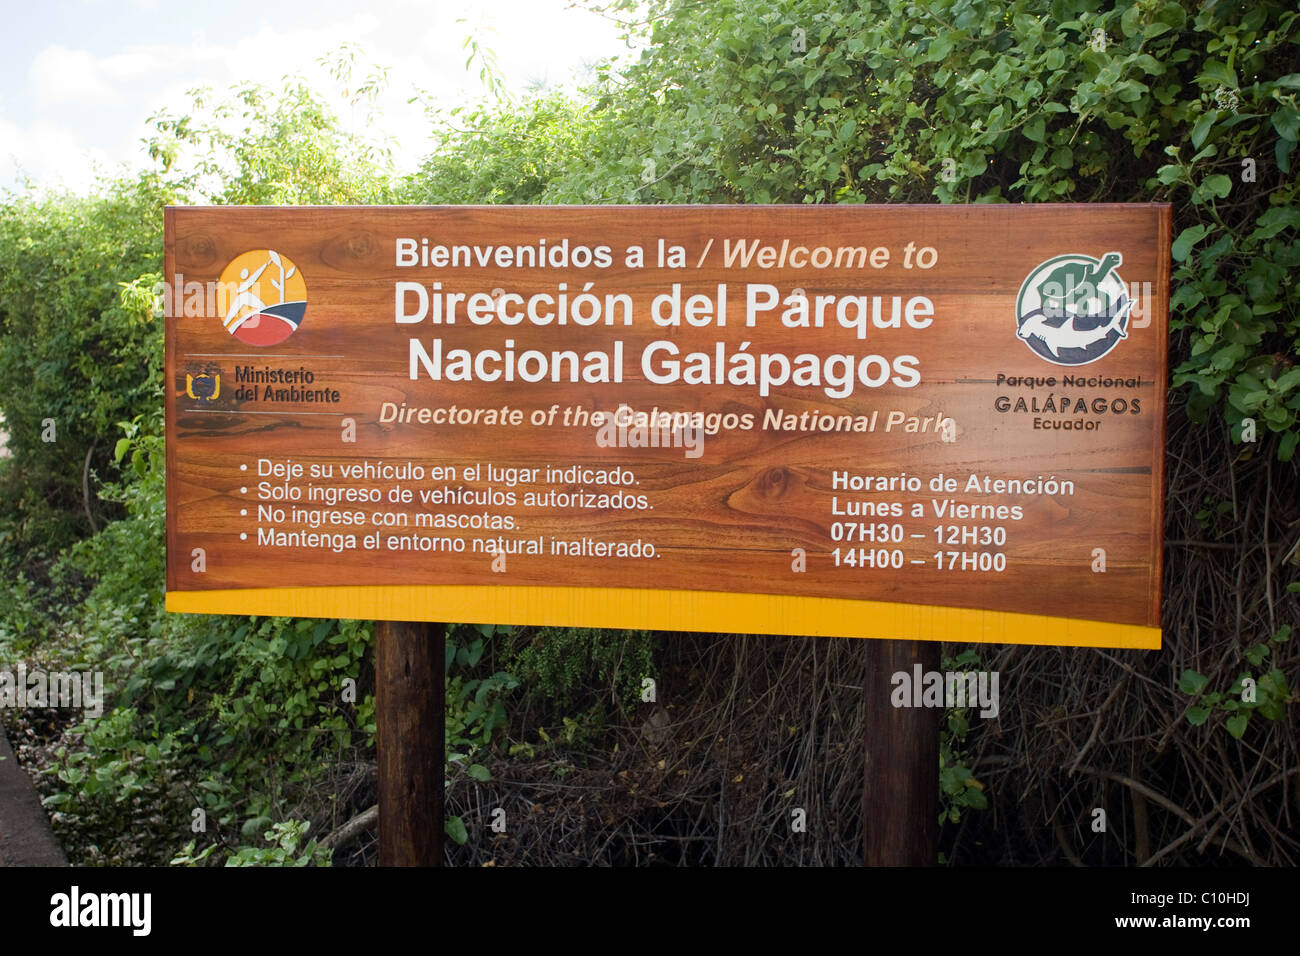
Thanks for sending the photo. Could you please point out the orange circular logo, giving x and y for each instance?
(266, 297)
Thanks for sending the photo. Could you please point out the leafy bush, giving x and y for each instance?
(958, 788)
(1266, 694)
(803, 101)
(262, 146)
(474, 705)
(285, 850)
(237, 717)
(584, 671)
(242, 721)
(496, 156)
(73, 360)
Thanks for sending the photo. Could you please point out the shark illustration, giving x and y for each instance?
(1067, 335)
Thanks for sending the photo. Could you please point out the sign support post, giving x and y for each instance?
(409, 722)
(900, 787)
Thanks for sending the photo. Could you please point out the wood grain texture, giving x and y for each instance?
(900, 792)
(409, 741)
(729, 520)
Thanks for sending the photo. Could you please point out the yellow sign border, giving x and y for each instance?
(668, 610)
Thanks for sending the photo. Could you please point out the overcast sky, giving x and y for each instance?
(81, 77)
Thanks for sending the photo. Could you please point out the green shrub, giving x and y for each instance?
(238, 717)
(239, 720)
(1267, 693)
(583, 670)
(73, 360)
(804, 101)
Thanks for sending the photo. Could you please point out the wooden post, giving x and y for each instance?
(409, 722)
(900, 789)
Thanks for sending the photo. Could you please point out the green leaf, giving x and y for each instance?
(1282, 150)
(1287, 123)
(1272, 708)
(1286, 448)
(1202, 128)
(1186, 239)
(1273, 693)
(455, 828)
(1237, 724)
(1192, 682)
(1197, 715)
(1035, 129)
(1219, 74)
(1217, 185)
(1149, 64)
(1168, 175)
(1288, 381)
(479, 772)
(474, 653)
(1274, 221)
(1129, 22)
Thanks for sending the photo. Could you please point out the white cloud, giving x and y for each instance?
(82, 100)
(50, 154)
(59, 75)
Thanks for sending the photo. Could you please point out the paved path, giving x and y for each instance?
(25, 835)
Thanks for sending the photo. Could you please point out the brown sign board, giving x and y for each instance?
(923, 422)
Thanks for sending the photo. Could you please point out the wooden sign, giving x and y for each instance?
(935, 422)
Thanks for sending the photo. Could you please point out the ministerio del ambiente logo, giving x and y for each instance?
(268, 297)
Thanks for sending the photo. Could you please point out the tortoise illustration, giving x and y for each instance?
(1074, 288)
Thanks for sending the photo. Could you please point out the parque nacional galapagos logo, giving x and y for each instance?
(1073, 309)
(269, 297)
